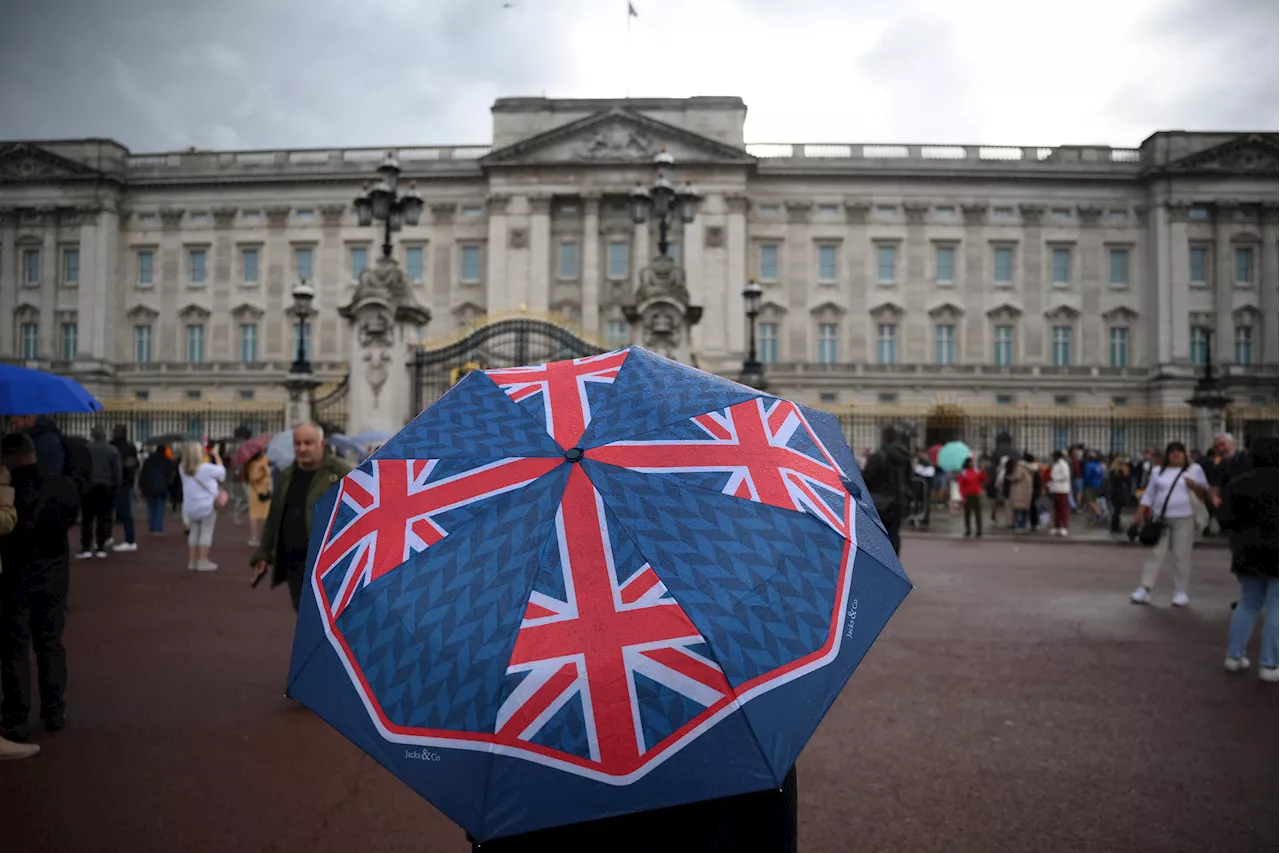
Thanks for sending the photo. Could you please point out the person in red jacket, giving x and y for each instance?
(971, 482)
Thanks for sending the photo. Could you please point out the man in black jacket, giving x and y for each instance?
(888, 476)
(1248, 512)
(124, 495)
(99, 499)
(45, 435)
(33, 588)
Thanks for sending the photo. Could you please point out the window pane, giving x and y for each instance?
(249, 263)
(196, 262)
(1119, 347)
(886, 263)
(1061, 266)
(826, 263)
(619, 262)
(827, 334)
(1244, 266)
(359, 260)
(71, 266)
(1199, 264)
(413, 263)
(944, 351)
(887, 343)
(1244, 345)
(302, 260)
(70, 342)
(195, 344)
(1004, 345)
(470, 263)
(1119, 266)
(1199, 345)
(946, 264)
(1004, 265)
(769, 343)
(673, 250)
(31, 261)
(30, 340)
(1061, 346)
(769, 262)
(248, 343)
(568, 260)
(142, 344)
(615, 332)
(145, 270)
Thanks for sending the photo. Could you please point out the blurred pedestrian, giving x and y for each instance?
(1119, 476)
(98, 502)
(1168, 499)
(201, 487)
(888, 476)
(972, 481)
(124, 495)
(33, 589)
(9, 750)
(155, 481)
(1060, 492)
(1021, 485)
(1248, 511)
(1037, 489)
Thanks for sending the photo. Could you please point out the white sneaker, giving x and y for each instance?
(84, 555)
(1180, 599)
(1141, 595)
(126, 546)
(1063, 533)
(111, 540)
(10, 751)
(1236, 664)
(206, 566)
(101, 555)
(191, 567)
(1268, 674)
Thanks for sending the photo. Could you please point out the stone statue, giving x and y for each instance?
(660, 313)
(662, 279)
(662, 331)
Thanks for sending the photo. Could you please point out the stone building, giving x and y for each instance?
(891, 273)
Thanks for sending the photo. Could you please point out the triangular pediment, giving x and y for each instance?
(247, 311)
(194, 312)
(1062, 313)
(613, 137)
(22, 161)
(887, 310)
(1005, 311)
(1120, 314)
(946, 310)
(1249, 154)
(141, 313)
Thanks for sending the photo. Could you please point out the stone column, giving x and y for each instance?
(799, 257)
(641, 253)
(275, 261)
(920, 347)
(857, 284)
(9, 273)
(1030, 324)
(499, 297)
(445, 272)
(1095, 275)
(98, 294)
(1224, 282)
(49, 343)
(540, 253)
(736, 243)
(1268, 283)
(591, 264)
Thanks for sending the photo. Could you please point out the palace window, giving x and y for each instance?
(359, 260)
(30, 340)
(195, 343)
(1244, 344)
(615, 333)
(827, 263)
(1061, 346)
(1199, 345)
(470, 264)
(944, 344)
(302, 262)
(1004, 345)
(70, 266)
(886, 264)
(70, 341)
(1199, 265)
(1003, 265)
(146, 269)
(768, 261)
(568, 261)
(828, 337)
(249, 343)
(887, 343)
(142, 344)
(1119, 346)
(249, 266)
(945, 257)
(1244, 267)
(769, 343)
(619, 262)
(1061, 266)
(1119, 267)
(195, 266)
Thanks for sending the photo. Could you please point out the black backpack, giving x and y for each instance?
(77, 462)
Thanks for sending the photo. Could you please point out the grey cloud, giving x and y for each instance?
(155, 74)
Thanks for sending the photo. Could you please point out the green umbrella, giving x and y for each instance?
(952, 455)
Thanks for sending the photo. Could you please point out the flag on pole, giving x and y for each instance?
(631, 11)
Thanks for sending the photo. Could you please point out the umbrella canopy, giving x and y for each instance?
(34, 392)
(280, 449)
(372, 438)
(250, 448)
(952, 455)
(591, 588)
(346, 447)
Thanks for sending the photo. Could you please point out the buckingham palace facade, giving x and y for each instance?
(1076, 275)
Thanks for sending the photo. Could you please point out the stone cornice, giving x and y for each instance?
(171, 218)
(224, 217)
(277, 216)
(442, 213)
(856, 211)
(798, 210)
(497, 204)
(915, 212)
(737, 204)
(1089, 214)
(332, 214)
(975, 213)
(1032, 214)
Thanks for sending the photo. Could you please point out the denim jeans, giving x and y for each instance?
(1021, 519)
(124, 511)
(1256, 593)
(155, 514)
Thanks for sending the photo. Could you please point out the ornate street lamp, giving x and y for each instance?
(752, 369)
(380, 202)
(1208, 400)
(663, 201)
(302, 310)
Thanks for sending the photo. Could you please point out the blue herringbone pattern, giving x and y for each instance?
(758, 582)
(651, 392)
(474, 420)
(434, 637)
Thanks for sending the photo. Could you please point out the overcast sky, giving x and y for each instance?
(165, 74)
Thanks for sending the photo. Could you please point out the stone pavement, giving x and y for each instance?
(1016, 702)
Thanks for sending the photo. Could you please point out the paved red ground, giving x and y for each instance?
(1016, 702)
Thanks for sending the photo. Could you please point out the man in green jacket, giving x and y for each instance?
(283, 548)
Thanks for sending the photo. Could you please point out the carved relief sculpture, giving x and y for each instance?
(617, 143)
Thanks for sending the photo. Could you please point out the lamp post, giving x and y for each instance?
(380, 202)
(301, 383)
(752, 369)
(1208, 399)
(663, 201)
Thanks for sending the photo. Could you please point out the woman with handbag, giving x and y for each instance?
(257, 478)
(202, 497)
(1165, 521)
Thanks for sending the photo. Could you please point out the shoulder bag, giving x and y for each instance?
(220, 497)
(1153, 528)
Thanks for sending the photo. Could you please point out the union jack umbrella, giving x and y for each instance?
(592, 587)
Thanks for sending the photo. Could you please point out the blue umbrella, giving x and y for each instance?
(34, 392)
(591, 588)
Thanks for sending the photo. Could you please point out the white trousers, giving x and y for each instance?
(1179, 534)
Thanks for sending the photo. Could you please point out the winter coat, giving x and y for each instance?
(331, 470)
(36, 553)
(1248, 511)
(51, 456)
(108, 472)
(1021, 483)
(1060, 478)
(156, 476)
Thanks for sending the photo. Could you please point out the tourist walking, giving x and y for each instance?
(98, 503)
(1119, 476)
(33, 589)
(1168, 500)
(1248, 513)
(201, 495)
(888, 477)
(287, 532)
(124, 495)
(972, 481)
(1060, 494)
(154, 481)
(257, 479)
